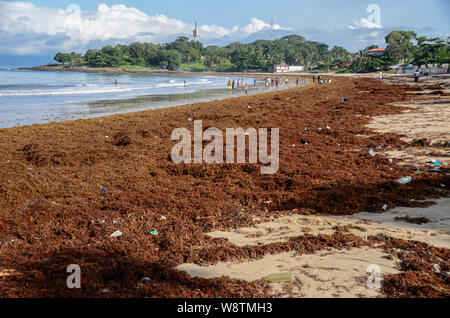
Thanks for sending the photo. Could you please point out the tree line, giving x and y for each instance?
(402, 47)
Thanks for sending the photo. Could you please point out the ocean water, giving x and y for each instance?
(29, 97)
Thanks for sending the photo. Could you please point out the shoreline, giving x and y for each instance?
(257, 75)
(151, 72)
(55, 214)
(104, 106)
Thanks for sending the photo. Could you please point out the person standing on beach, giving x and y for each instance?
(416, 76)
(287, 81)
(232, 85)
(254, 83)
(319, 80)
(297, 81)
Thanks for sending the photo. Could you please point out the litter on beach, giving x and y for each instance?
(280, 277)
(437, 269)
(344, 198)
(404, 180)
(436, 163)
(116, 234)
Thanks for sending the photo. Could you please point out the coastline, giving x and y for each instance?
(153, 72)
(259, 75)
(58, 216)
(85, 99)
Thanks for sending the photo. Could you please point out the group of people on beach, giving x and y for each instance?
(278, 81)
(275, 82)
(239, 85)
(320, 80)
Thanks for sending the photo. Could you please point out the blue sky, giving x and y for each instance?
(42, 27)
(294, 13)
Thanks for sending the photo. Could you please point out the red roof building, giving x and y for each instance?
(376, 52)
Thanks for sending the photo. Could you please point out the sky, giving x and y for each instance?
(40, 28)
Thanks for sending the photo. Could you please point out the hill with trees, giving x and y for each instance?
(183, 54)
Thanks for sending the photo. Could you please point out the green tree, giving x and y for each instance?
(170, 58)
(90, 57)
(432, 51)
(338, 53)
(63, 58)
(400, 46)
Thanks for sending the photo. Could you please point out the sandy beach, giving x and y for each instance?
(329, 213)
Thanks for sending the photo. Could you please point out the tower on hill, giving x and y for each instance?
(195, 32)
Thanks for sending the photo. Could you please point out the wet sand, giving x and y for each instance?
(53, 212)
(334, 272)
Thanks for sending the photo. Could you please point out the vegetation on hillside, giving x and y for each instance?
(183, 54)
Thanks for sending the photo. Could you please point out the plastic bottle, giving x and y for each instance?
(280, 277)
(404, 180)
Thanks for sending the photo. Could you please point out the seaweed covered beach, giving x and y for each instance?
(66, 187)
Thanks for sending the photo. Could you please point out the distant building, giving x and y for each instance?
(284, 68)
(376, 52)
(296, 68)
(429, 69)
(279, 68)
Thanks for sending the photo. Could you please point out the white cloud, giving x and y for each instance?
(29, 29)
(258, 25)
(364, 23)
